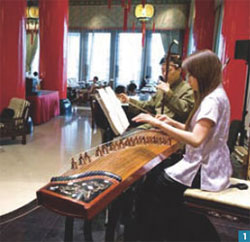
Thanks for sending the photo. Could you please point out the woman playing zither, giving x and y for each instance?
(206, 163)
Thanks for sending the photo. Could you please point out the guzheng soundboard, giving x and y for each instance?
(96, 179)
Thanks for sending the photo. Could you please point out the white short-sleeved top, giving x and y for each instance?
(213, 154)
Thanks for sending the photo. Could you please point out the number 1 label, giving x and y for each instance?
(244, 236)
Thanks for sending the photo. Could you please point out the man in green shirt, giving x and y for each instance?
(178, 101)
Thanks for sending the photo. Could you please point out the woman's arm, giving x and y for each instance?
(193, 138)
(170, 121)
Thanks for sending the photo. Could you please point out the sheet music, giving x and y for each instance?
(113, 111)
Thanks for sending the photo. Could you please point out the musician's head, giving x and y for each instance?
(95, 79)
(174, 71)
(203, 69)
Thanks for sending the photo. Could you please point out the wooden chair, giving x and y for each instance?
(16, 126)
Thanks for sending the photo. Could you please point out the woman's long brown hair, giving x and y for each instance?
(206, 67)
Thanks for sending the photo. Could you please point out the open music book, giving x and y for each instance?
(113, 110)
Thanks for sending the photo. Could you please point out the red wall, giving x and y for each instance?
(12, 49)
(53, 45)
(235, 26)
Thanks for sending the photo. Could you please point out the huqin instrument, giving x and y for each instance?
(96, 178)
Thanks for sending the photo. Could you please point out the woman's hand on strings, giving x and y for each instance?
(165, 87)
(146, 118)
(167, 120)
(123, 97)
(164, 118)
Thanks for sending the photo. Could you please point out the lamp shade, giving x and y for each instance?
(32, 12)
(144, 13)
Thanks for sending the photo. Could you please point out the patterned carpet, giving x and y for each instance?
(36, 224)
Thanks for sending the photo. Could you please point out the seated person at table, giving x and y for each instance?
(205, 165)
(132, 89)
(120, 89)
(144, 82)
(94, 85)
(179, 95)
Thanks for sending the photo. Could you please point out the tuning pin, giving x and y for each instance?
(154, 139)
(169, 140)
(97, 151)
(73, 164)
(87, 158)
(112, 146)
(126, 142)
(105, 149)
(136, 140)
(80, 159)
(101, 152)
(120, 145)
(161, 140)
(132, 141)
(139, 140)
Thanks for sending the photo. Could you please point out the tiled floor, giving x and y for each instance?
(26, 168)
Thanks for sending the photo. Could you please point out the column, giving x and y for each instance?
(203, 28)
(12, 49)
(53, 45)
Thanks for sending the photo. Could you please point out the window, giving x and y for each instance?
(117, 55)
(129, 58)
(73, 56)
(98, 59)
(157, 52)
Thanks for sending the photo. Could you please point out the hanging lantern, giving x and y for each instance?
(32, 21)
(144, 12)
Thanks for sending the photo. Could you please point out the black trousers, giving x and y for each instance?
(161, 214)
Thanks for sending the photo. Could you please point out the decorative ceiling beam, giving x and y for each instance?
(117, 2)
(114, 2)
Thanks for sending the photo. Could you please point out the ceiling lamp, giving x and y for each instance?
(32, 21)
(144, 12)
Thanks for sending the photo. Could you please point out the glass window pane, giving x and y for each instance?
(157, 52)
(98, 56)
(73, 56)
(129, 58)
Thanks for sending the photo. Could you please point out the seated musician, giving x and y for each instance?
(206, 163)
(179, 95)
